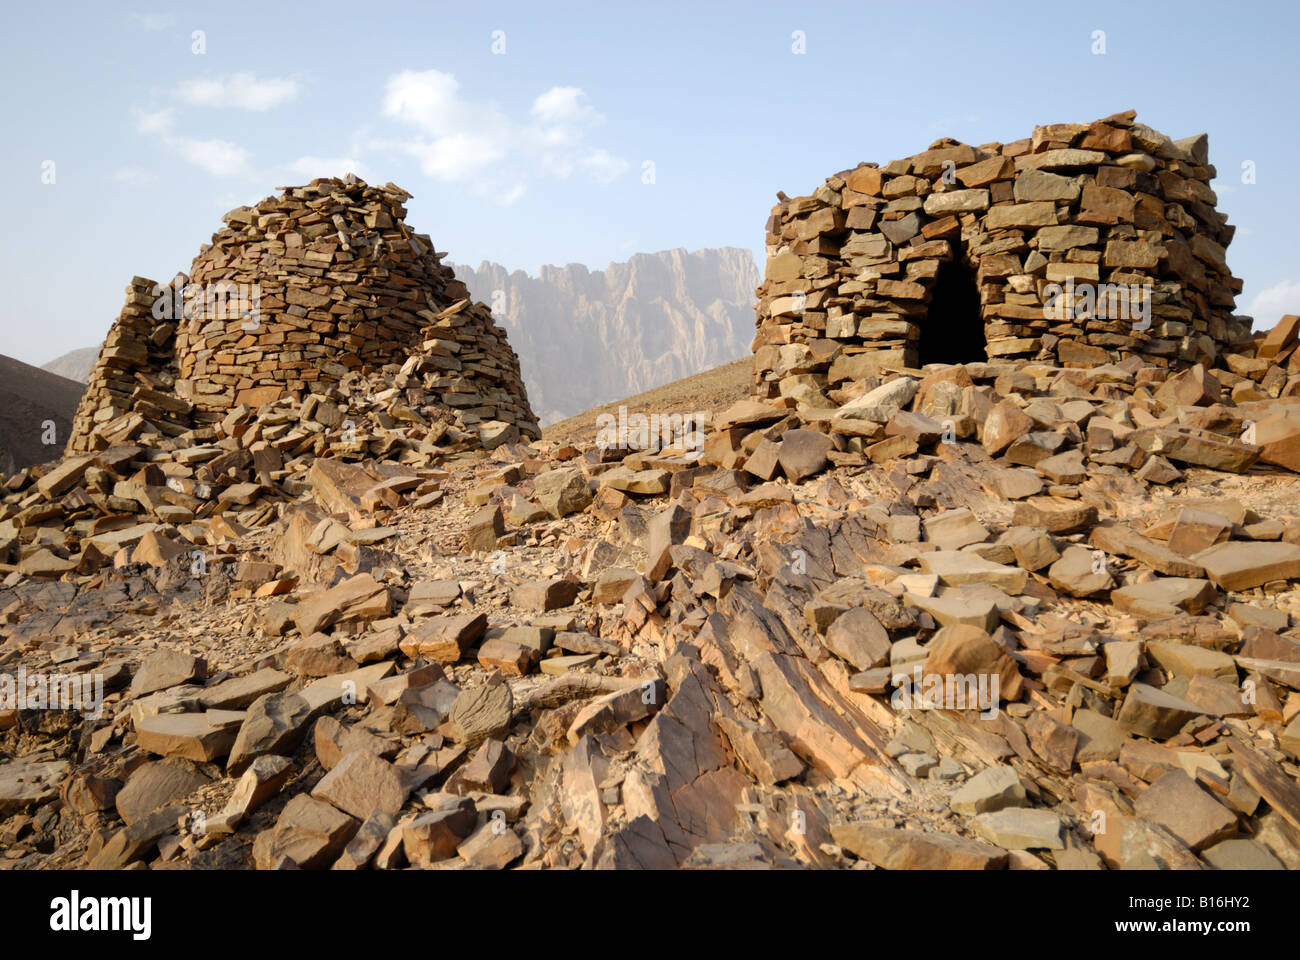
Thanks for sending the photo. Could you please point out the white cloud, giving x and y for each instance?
(310, 167)
(159, 121)
(242, 91)
(603, 166)
(561, 107)
(1270, 304)
(457, 156)
(458, 140)
(218, 157)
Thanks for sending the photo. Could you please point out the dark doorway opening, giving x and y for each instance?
(953, 330)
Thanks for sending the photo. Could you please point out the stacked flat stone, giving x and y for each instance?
(291, 296)
(852, 270)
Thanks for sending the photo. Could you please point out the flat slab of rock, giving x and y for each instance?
(1020, 829)
(1120, 540)
(880, 404)
(1055, 514)
(238, 692)
(200, 737)
(358, 598)
(26, 784)
(1242, 564)
(894, 849)
(961, 567)
(954, 529)
(444, 639)
(1164, 597)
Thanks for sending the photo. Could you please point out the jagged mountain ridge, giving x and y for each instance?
(586, 337)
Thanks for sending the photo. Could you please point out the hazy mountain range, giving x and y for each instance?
(586, 337)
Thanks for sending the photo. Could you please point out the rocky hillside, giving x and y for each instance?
(989, 616)
(31, 398)
(585, 337)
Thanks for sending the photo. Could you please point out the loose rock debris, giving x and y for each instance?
(998, 615)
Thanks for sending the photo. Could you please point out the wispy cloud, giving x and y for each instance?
(458, 140)
(220, 158)
(1269, 305)
(310, 167)
(241, 91)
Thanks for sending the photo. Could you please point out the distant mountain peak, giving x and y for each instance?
(585, 337)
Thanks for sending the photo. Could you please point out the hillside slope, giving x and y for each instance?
(29, 398)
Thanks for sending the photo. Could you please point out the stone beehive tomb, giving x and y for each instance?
(294, 295)
(1081, 245)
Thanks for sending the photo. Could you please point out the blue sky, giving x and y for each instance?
(538, 154)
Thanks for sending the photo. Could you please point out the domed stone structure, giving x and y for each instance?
(291, 296)
(1081, 245)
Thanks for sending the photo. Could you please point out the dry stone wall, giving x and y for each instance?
(289, 298)
(1083, 244)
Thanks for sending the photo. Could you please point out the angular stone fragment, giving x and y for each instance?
(156, 785)
(367, 841)
(880, 404)
(1164, 597)
(613, 710)
(444, 639)
(308, 835)
(195, 736)
(543, 595)
(361, 784)
(961, 567)
(480, 712)
(436, 836)
(261, 780)
(1122, 541)
(955, 529)
(899, 849)
(1176, 803)
(858, 637)
(562, 492)
(167, 668)
(1150, 712)
(1078, 574)
(357, 598)
(962, 653)
(1020, 829)
(803, 453)
(1240, 565)
(275, 723)
(990, 789)
(1055, 514)
(485, 527)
